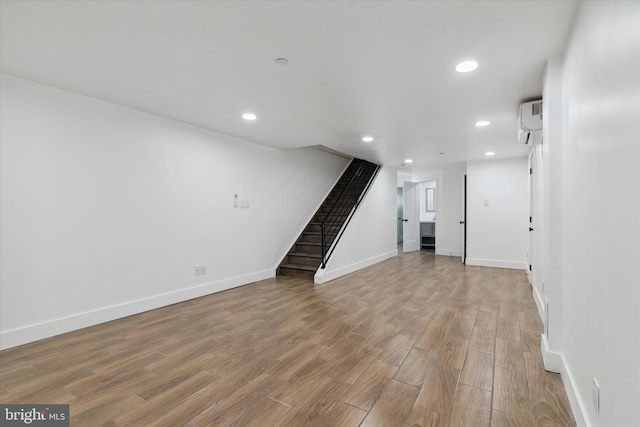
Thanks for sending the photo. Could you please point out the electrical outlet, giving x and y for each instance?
(595, 395)
(197, 270)
(203, 269)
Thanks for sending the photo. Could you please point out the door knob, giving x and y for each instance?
(461, 222)
(530, 229)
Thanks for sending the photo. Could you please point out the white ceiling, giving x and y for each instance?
(380, 68)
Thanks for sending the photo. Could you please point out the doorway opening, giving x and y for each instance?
(427, 192)
(418, 219)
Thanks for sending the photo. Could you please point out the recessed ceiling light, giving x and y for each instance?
(489, 153)
(282, 61)
(441, 153)
(465, 67)
(482, 123)
(408, 161)
(249, 116)
(367, 139)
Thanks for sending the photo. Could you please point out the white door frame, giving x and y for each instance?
(532, 203)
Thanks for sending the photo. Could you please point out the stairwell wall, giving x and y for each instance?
(106, 210)
(371, 235)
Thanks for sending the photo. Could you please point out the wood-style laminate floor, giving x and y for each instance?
(417, 340)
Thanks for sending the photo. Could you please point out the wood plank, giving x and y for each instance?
(368, 387)
(395, 349)
(303, 382)
(315, 405)
(550, 408)
(342, 415)
(500, 419)
(393, 406)
(471, 407)
(415, 367)
(452, 352)
(483, 339)
(438, 389)
(511, 394)
(164, 402)
(421, 417)
(355, 364)
(509, 354)
(478, 370)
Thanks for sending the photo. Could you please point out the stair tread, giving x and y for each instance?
(299, 267)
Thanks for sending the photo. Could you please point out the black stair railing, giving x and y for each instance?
(343, 208)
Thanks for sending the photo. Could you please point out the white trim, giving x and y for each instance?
(578, 404)
(515, 265)
(449, 252)
(49, 328)
(555, 362)
(552, 360)
(323, 277)
(537, 297)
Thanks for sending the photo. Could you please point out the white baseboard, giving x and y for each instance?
(552, 360)
(38, 331)
(577, 402)
(326, 275)
(449, 252)
(514, 265)
(537, 297)
(555, 362)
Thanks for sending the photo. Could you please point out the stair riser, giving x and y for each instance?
(304, 260)
(340, 209)
(284, 271)
(306, 237)
(315, 228)
(334, 219)
(308, 249)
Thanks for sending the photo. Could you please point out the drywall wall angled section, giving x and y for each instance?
(106, 210)
(601, 210)
(497, 213)
(371, 235)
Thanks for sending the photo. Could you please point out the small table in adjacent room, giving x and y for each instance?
(428, 235)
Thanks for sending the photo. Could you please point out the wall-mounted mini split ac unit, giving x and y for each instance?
(530, 123)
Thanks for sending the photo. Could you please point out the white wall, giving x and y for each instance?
(497, 233)
(106, 210)
(372, 233)
(601, 218)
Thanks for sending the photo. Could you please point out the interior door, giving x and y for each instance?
(400, 214)
(532, 201)
(463, 223)
(411, 230)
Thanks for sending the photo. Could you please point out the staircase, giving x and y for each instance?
(314, 246)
